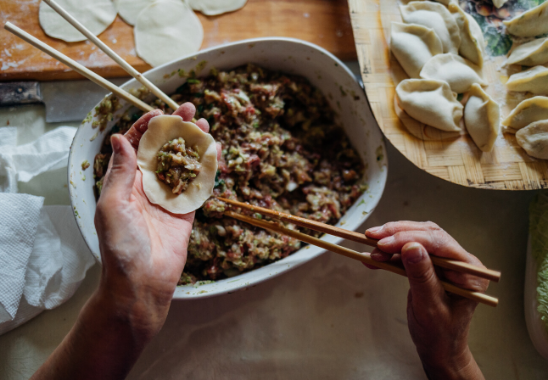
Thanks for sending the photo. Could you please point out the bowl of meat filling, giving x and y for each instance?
(297, 136)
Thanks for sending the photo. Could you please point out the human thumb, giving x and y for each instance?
(425, 285)
(121, 173)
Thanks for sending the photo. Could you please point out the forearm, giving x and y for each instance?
(104, 343)
(463, 367)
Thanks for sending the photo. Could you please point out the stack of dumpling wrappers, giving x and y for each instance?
(441, 48)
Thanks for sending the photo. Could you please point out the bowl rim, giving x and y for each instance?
(336, 240)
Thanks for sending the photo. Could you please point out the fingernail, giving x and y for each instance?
(413, 253)
(386, 241)
(115, 142)
(375, 229)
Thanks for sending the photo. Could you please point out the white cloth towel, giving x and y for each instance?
(43, 257)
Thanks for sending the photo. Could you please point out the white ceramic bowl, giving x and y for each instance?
(321, 68)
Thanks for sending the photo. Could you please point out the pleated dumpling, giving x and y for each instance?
(471, 37)
(534, 139)
(413, 45)
(534, 80)
(482, 118)
(527, 112)
(530, 54)
(458, 72)
(431, 102)
(437, 17)
(532, 23)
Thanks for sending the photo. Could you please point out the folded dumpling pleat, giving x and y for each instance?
(413, 45)
(471, 37)
(458, 72)
(527, 112)
(530, 54)
(431, 102)
(534, 139)
(437, 17)
(482, 118)
(534, 80)
(532, 23)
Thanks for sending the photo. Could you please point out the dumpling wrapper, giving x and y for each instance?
(482, 118)
(431, 102)
(458, 72)
(532, 23)
(167, 30)
(216, 7)
(527, 112)
(130, 9)
(162, 129)
(534, 139)
(413, 45)
(95, 15)
(530, 54)
(534, 80)
(471, 36)
(437, 17)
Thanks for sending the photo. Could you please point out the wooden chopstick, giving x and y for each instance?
(455, 265)
(77, 67)
(108, 51)
(476, 296)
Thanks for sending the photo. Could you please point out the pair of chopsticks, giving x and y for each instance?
(458, 266)
(88, 73)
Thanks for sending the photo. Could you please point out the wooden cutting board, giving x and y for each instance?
(323, 22)
(457, 160)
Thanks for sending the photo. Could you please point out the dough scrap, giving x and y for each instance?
(216, 7)
(95, 15)
(527, 112)
(129, 9)
(160, 130)
(413, 45)
(534, 139)
(458, 72)
(530, 54)
(167, 30)
(534, 80)
(532, 23)
(482, 118)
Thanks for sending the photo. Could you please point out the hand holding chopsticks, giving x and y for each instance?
(321, 227)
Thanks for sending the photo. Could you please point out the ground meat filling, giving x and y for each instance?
(281, 149)
(178, 165)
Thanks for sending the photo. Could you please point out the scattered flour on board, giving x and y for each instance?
(7, 65)
(6, 52)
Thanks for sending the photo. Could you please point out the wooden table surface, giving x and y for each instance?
(323, 22)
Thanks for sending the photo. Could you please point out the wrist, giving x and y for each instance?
(451, 367)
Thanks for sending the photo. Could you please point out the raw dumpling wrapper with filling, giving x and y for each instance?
(534, 80)
(162, 129)
(431, 102)
(413, 45)
(534, 139)
(458, 72)
(527, 112)
(437, 17)
(482, 118)
(471, 37)
(216, 7)
(532, 23)
(530, 54)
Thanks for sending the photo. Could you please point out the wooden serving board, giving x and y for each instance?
(323, 22)
(458, 160)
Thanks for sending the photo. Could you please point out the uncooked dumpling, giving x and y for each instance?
(167, 30)
(431, 102)
(130, 9)
(458, 72)
(534, 80)
(437, 17)
(482, 118)
(162, 129)
(471, 37)
(532, 23)
(413, 45)
(534, 139)
(216, 7)
(530, 54)
(95, 15)
(499, 3)
(527, 112)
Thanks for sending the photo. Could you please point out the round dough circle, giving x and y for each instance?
(129, 9)
(216, 7)
(167, 30)
(95, 15)
(160, 130)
